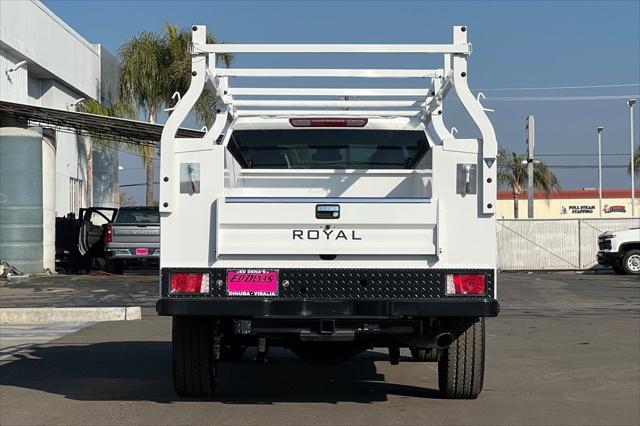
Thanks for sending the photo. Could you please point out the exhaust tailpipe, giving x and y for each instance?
(443, 340)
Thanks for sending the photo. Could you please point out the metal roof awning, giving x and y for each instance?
(119, 129)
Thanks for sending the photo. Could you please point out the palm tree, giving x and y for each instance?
(155, 66)
(144, 83)
(636, 163)
(177, 44)
(512, 171)
(115, 109)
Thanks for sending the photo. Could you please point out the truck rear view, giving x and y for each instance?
(329, 220)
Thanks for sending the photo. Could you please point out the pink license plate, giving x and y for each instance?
(252, 282)
(142, 252)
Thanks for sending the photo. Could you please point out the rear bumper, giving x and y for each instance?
(336, 293)
(130, 253)
(379, 309)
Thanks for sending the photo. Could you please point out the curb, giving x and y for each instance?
(48, 315)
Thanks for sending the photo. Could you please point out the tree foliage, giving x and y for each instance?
(636, 163)
(153, 66)
(156, 65)
(114, 109)
(512, 172)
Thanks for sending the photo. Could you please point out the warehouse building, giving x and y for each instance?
(571, 204)
(47, 172)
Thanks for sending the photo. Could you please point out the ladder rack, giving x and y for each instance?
(423, 103)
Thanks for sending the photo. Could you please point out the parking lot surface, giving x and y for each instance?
(564, 350)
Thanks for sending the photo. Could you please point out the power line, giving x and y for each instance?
(137, 168)
(138, 184)
(593, 86)
(578, 166)
(559, 98)
(578, 155)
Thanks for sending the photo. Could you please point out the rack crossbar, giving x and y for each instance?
(463, 48)
(293, 103)
(319, 72)
(335, 113)
(313, 91)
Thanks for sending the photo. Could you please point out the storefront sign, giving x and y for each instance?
(586, 209)
(614, 209)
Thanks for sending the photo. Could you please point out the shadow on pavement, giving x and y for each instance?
(137, 371)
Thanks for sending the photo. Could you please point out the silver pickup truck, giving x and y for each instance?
(133, 237)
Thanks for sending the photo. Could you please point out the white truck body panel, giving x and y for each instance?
(404, 218)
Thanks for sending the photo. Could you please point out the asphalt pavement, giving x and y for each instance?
(564, 350)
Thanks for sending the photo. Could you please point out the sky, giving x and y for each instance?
(517, 44)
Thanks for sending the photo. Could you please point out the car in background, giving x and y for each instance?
(620, 250)
(132, 238)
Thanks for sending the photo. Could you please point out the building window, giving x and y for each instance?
(76, 190)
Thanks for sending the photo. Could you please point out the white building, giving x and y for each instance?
(61, 67)
(45, 62)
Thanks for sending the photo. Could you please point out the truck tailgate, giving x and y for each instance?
(369, 227)
(135, 235)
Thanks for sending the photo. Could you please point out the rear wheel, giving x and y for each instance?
(461, 365)
(114, 266)
(631, 262)
(193, 360)
(617, 267)
(419, 354)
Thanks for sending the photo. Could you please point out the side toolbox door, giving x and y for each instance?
(93, 219)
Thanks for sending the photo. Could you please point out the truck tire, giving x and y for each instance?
(114, 266)
(419, 354)
(631, 262)
(461, 365)
(193, 360)
(617, 267)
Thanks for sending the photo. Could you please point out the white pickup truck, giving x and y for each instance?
(329, 219)
(620, 250)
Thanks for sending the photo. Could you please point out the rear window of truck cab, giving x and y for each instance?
(138, 216)
(328, 148)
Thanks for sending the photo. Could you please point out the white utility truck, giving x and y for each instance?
(620, 250)
(329, 220)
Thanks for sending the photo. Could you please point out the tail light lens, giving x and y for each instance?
(189, 283)
(461, 284)
(328, 122)
(108, 234)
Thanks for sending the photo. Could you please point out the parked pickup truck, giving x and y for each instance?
(620, 250)
(133, 236)
(332, 229)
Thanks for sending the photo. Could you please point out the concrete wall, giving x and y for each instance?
(34, 32)
(61, 68)
(13, 86)
(71, 151)
(109, 76)
(581, 208)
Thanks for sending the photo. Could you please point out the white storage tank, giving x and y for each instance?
(27, 213)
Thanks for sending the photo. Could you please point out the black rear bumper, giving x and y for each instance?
(336, 293)
(277, 308)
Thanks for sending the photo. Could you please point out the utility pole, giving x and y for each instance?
(600, 129)
(631, 103)
(531, 142)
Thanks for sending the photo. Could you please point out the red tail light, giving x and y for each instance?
(189, 283)
(328, 122)
(460, 284)
(108, 234)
